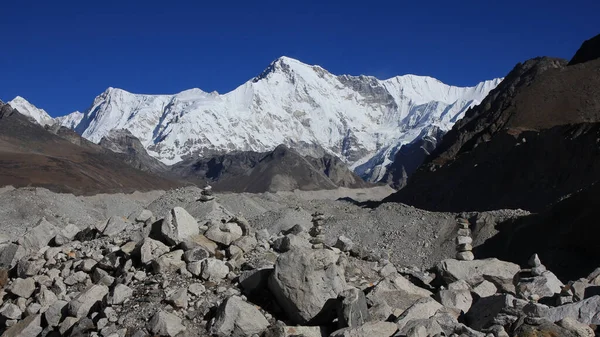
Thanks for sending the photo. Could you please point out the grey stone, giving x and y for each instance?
(81, 305)
(22, 287)
(224, 234)
(580, 329)
(545, 285)
(68, 323)
(46, 297)
(179, 298)
(485, 289)
(196, 254)
(461, 240)
(150, 249)
(352, 309)
(32, 309)
(305, 280)
(195, 268)
(201, 241)
(74, 278)
(423, 308)
(534, 261)
(30, 326)
(115, 225)
(465, 256)
(165, 324)
(255, 280)
(10, 311)
(101, 276)
(54, 313)
(26, 268)
(344, 244)
(397, 291)
(369, 329)
(422, 328)
(39, 236)
(214, 270)
(169, 262)
(120, 294)
(457, 300)
(500, 273)
(178, 225)
(492, 310)
(262, 235)
(246, 243)
(586, 311)
(10, 254)
(237, 318)
(144, 216)
(196, 289)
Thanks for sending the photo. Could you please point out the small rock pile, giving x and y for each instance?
(464, 247)
(206, 275)
(206, 194)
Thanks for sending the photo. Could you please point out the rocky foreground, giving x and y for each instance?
(216, 275)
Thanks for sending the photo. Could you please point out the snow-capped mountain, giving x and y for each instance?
(361, 119)
(71, 120)
(29, 110)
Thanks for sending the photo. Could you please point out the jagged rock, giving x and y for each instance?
(54, 313)
(500, 273)
(66, 235)
(178, 225)
(30, 326)
(74, 278)
(462, 240)
(423, 308)
(115, 225)
(422, 328)
(544, 285)
(254, 280)
(101, 276)
(120, 294)
(237, 318)
(281, 330)
(305, 280)
(168, 262)
(457, 300)
(493, 310)
(196, 289)
(352, 309)
(465, 256)
(196, 254)
(200, 241)
(195, 268)
(542, 328)
(66, 325)
(165, 324)
(225, 233)
(290, 242)
(26, 268)
(398, 292)
(380, 312)
(344, 244)
(10, 311)
(485, 289)
(585, 311)
(81, 305)
(150, 249)
(214, 270)
(369, 329)
(10, 254)
(39, 236)
(144, 216)
(246, 243)
(178, 298)
(578, 328)
(22, 287)
(46, 297)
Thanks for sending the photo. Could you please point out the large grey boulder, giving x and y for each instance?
(10, 254)
(168, 262)
(178, 225)
(586, 311)
(23, 287)
(115, 225)
(422, 309)
(545, 285)
(54, 313)
(10, 311)
(165, 324)
(39, 236)
(369, 329)
(224, 233)
(397, 292)
(237, 318)
(81, 305)
(501, 273)
(305, 280)
(458, 300)
(30, 326)
(352, 309)
(150, 249)
(500, 309)
(214, 270)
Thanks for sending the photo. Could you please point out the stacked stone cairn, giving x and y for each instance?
(464, 247)
(206, 194)
(316, 232)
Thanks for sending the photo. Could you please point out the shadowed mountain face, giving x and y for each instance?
(533, 140)
(282, 169)
(61, 161)
(130, 150)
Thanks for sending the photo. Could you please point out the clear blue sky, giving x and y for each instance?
(61, 54)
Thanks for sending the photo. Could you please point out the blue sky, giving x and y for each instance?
(61, 54)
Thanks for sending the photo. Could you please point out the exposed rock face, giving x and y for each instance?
(590, 50)
(306, 282)
(282, 169)
(496, 156)
(500, 273)
(237, 318)
(178, 226)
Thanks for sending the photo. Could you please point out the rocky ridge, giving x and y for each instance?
(216, 275)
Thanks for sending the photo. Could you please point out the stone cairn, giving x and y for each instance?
(316, 232)
(206, 194)
(464, 247)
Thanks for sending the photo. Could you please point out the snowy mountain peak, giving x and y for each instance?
(30, 110)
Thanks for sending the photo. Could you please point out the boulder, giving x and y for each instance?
(150, 249)
(200, 241)
(352, 308)
(544, 285)
(115, 225)
(578, 328)
(225, 233)
(485, 289)
(305, 280)
(120, 293)
(237, 318)
(10, 254)
(165, 324)
(54, 314)
(178, 225)
(81, 305)
(66, 235)
(169, 262)
(30, 326)
(586, 311)
(27, 268)
(369, 329)
(500, 273)
(10, 311)
(255, 280)
(457, 300)
(422, 328)
(397, 292)
(500, 309)
(196, 254)
(344, 244)
(23, 287)
(144, 216)
(179, 298)
(246, 243)
(214, 270)
(424, 308)
(39, 236)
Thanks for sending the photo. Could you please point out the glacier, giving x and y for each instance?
(360, 119)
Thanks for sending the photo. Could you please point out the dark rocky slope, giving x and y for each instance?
(33, 156)
(282, 169)
(532, 141)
